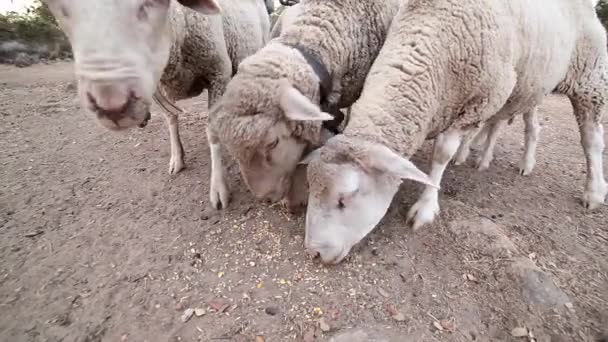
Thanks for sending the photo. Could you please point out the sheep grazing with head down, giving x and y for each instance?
(447, 67)
(321, 58)
(488, 135)
(125, 50)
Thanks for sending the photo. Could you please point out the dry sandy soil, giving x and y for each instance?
(99, 243)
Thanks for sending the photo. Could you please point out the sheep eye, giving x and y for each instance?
(273, 144)
(341, 204)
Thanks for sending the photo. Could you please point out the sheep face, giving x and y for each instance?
(269, 144)
(268, 169)
(352, 184)
(120, 50)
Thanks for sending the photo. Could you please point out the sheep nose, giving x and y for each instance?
(110, 98)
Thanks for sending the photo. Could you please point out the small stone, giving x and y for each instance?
(187, 315)
(471, 278)
(179, 307)
(324, 326)
(399, 317)
(260, 338)
(199, 312)
(519, 332)
(271, 310)
(438, 326)
(569, 305)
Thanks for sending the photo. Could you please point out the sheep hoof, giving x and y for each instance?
(483, 165)
(525, 168)
(594, 198)
(422, 212)
(176, 165)
(219, 195)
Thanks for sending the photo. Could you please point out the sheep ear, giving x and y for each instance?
(383, 159)
(298, 107)
(314, 154)
(203, 6)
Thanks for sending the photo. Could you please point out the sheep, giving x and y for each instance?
(128, 53)
(323, 56)
(488, 136)
(447, 67)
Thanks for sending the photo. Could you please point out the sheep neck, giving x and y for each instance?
(400, 126)
(325, 87)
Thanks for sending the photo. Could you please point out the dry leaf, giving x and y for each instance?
(392, 310)
(217, 304)
(519, 332)
(447, 325)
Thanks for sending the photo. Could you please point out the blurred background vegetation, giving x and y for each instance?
(35, 31)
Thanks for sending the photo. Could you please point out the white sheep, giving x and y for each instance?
(322, 57)
(448, 66)
(488, 135)
(125, 50)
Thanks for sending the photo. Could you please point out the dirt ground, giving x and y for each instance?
(99, 243)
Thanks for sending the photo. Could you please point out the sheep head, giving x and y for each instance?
(120, 50)
(267, 130)
(351, 185)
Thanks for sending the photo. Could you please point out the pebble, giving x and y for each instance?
(519, 332)
(324, 326)
(271, 310)
(199, 312)
(187, 315)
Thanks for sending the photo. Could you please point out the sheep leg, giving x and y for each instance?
(532, 130)
(484, 160)
(427, 206)
(219, 194)
(592, 139)
(176, 163)
(465, 147)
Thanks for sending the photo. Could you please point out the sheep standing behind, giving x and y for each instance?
(129, 52)
(446, 67)
(488, 135)
(322, 57)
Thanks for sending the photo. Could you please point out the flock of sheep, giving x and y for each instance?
(407, 71)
